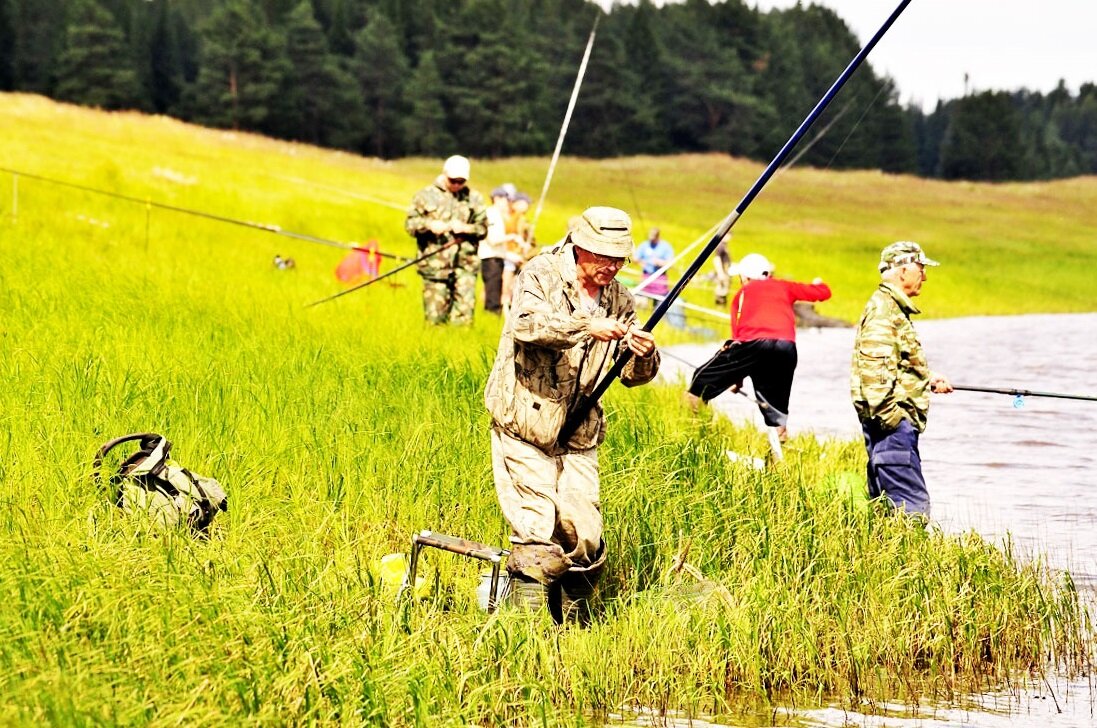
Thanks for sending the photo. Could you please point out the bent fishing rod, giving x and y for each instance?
(1022, 392)
(576, 417)
(379, 278)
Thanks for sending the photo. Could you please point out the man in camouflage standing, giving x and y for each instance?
(448, 219)
(568, 321)
(890, 380)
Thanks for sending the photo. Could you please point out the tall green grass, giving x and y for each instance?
(339, 431)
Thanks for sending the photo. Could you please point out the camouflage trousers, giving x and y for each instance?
(450, 300)
(553, 508)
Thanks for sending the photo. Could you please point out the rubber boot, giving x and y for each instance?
(577, 590)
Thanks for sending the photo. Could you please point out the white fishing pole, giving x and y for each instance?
(564, 127)
(689, 249)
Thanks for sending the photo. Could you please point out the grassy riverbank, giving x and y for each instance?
(341, 430)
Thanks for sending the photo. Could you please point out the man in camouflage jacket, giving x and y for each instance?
(890, 380)
(569, 320)
(450, 218)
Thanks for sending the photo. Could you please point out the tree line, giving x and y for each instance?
(492, 78)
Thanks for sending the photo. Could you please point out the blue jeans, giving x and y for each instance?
(895, 467)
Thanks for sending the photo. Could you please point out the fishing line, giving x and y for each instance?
(695, 367)
(348, 193)
(265, 227)
(855, 125)
(807, 147)
(772, 435)
(579, 414)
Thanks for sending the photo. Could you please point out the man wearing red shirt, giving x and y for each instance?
(763, 341)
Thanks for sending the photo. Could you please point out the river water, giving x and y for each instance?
(1023, 470)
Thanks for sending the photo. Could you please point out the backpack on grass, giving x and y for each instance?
(150, 482)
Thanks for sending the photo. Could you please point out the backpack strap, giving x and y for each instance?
(149, 459)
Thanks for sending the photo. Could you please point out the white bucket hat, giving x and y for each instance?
(605, 231)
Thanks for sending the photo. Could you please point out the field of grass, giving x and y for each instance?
(340, 430)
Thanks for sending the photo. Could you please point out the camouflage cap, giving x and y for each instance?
(901, 253)
(603, 230)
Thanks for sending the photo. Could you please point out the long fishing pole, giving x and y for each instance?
(564, 126)
(265, 227)
(580, 413)
(1023, 392)
(395, 270)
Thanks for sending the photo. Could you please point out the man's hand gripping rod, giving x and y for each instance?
(576, 417)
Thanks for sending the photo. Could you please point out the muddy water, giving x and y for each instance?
(1023, 470)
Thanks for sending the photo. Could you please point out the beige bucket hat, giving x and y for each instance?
(605, 231)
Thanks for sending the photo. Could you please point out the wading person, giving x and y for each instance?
(890, 380)
(568, 321)
(762, 344)
(448, 213)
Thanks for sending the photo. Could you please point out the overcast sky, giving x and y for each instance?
(1000, 44)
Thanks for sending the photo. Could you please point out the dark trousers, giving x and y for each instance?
(895, 467)
(770, 364)
(491, 270)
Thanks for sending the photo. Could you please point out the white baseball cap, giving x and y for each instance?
(456, 167)
(753, 266)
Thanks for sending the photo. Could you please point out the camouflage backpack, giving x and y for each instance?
(150, 482)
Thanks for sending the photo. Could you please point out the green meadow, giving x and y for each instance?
(340, 430)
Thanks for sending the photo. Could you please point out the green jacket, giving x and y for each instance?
(436, 202)
(547, 360)
(889, 375)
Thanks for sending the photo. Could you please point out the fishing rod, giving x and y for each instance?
(564, 126)
(1023, 392)
(395, 270)
(265, 227)
(580, 412)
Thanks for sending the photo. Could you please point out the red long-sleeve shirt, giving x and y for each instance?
(762, 309)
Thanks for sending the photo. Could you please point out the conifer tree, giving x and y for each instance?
(489, 79)
(983, 139)
(319, 101)
(425, 128)
(94, 67)
(243, 64)
(381, 70)
(163, 46)
(7, 47)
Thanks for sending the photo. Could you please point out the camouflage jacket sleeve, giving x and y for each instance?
(423, 205)
(874, 373)
(539, 318)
